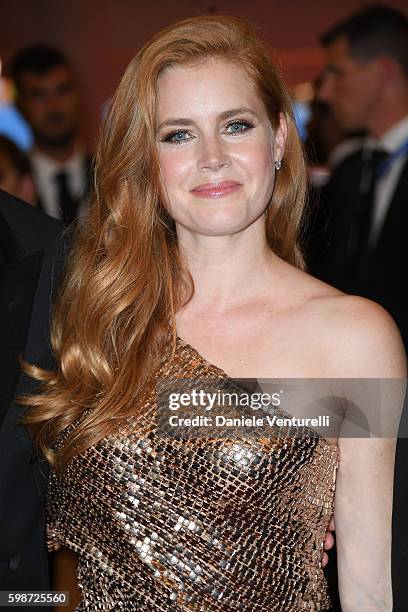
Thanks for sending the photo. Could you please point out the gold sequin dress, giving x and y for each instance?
(166, 525)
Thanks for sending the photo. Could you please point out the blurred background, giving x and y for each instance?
(101, 36)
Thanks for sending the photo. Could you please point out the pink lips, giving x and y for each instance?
(216, 190)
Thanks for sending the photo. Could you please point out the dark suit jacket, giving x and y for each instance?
(385, 283)
(28, 265)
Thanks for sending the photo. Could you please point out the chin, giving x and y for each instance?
(220, 224)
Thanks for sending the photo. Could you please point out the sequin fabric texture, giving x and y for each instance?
(199, 525)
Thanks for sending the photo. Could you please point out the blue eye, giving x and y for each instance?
(239, 127)
(177, 137)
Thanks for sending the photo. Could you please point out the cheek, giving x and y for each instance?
(344, 90)
(174, 168)
(357, 88)
(30, 110)
(258, 161)
(70, 104)
(39, 112)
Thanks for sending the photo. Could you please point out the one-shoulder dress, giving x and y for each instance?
(173, 525)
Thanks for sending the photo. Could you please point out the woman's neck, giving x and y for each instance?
(227, 270)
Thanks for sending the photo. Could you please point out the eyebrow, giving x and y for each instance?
(233, 112)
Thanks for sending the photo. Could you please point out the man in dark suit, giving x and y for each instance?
(30, 263)
(364, 207)
(366, 86)
(48, 97)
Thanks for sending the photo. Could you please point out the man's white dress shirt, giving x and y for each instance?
(44, 173)
(385, 187)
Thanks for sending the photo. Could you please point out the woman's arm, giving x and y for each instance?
(370, 348)
(64, 564)
(363, 510)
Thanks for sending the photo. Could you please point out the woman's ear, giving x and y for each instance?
(280, 138)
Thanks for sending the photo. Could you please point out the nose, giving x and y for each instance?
(213, 154)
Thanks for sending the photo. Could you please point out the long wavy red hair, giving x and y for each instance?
(125, 280)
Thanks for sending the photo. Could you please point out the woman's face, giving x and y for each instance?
(216, 147)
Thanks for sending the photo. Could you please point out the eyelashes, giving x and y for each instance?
(173, 137)
(241, 123)
(232, 128)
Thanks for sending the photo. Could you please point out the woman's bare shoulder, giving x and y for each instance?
(359, 336)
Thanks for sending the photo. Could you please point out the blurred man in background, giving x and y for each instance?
(365, 203)
(47, 96)
(366, 86)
